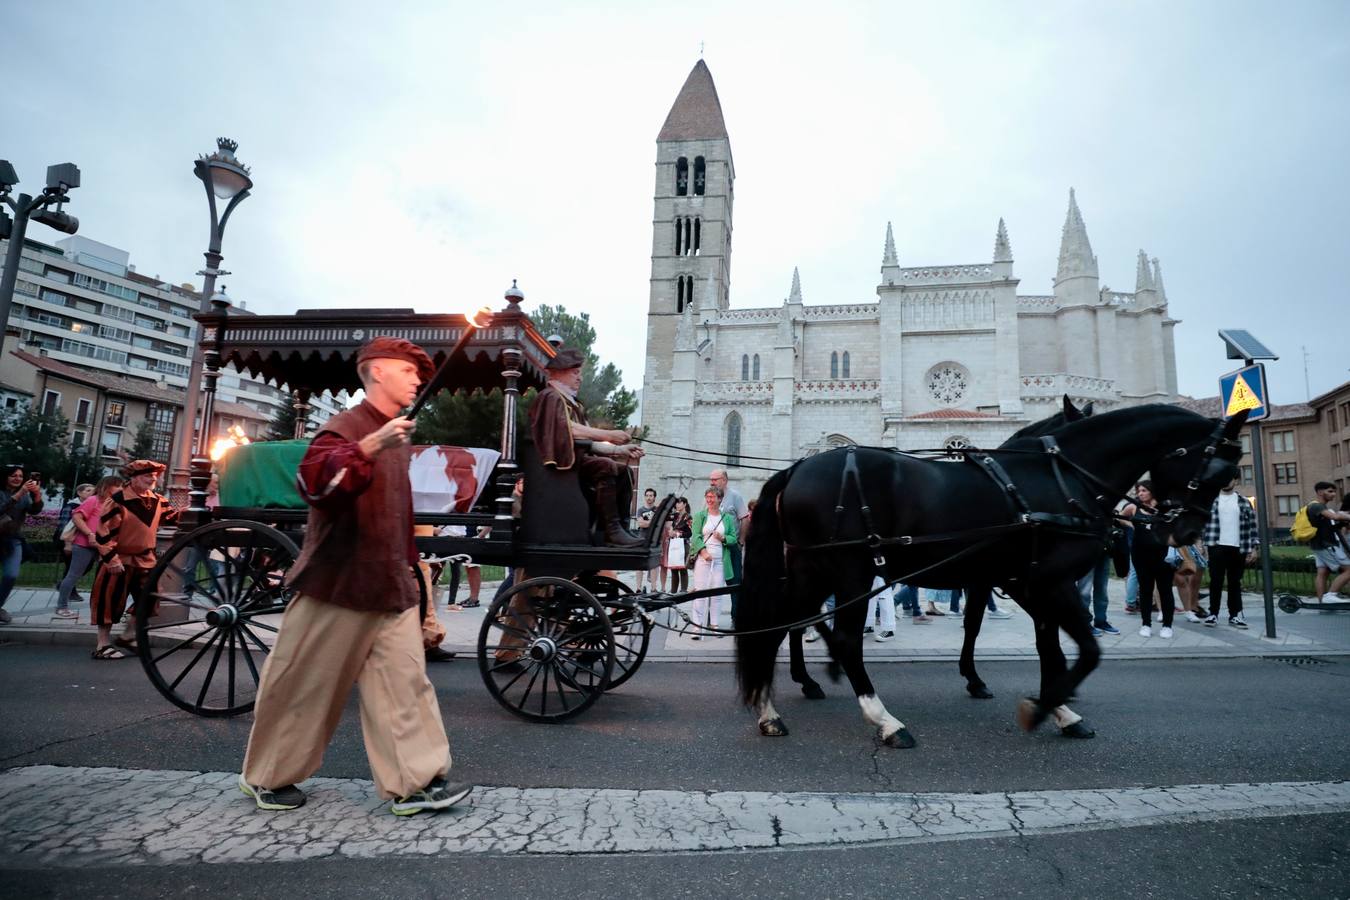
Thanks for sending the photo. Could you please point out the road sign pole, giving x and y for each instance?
(1263, 531)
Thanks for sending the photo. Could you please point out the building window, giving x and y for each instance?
(947, 383)
(755, 374)
(1246, 440)
(700, 175)
(1248, 474)
(846, 373)
(1282, 441)
(162, 420)
(117, 413)
(682, 177)
(734, 439)
(1331, 420)
(51, 402)
(78, 439)
(1286, 473)
(679, 294)
(1286, 505)
(1336, 457)
(698, 226)
(82, 410)
(956, 442)
(745, 367)
(111, 441)
(834, 364)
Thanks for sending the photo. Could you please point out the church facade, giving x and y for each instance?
(946, 355)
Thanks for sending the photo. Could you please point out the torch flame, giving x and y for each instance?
(480, 317)
(234, 436)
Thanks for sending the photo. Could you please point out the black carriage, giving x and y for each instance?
(549, 646)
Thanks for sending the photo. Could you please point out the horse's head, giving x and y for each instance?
(1053, 423)
(1186, 480)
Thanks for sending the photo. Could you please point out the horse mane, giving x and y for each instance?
(1161, 415)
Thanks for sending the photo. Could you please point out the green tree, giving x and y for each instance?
(476, 420)
(282, 426)
(38, 442)
(142, 445)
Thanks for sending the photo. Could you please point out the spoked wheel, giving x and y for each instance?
(632, 630)
(546, 649)
(216, 598)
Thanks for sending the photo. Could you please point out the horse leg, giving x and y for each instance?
(976, 601)
(1058, 681)
(846, 648)
(810, 689)
(770, 723)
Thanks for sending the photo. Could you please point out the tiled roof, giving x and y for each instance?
(697, 113)
(1209, 406)
(137, 388)
(240, 411)
(955, 414)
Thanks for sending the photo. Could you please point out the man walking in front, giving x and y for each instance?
(1233, 542)
(1328, 544)
(354, 619)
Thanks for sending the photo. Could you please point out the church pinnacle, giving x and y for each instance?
(1002, 248)
(1143, 275)
(1075, 251)
(888, 257)
(796, 295)
(1158, 282)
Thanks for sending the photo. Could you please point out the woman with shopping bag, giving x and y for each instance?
(673, 557)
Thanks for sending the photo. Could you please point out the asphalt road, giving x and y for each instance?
(677, 727)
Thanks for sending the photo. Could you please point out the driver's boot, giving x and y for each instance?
(607, 507)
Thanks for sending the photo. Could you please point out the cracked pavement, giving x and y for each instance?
(122, 817)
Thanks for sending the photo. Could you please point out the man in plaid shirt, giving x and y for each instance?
(1233, 544)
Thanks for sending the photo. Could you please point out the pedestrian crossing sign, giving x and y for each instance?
(1244, 389)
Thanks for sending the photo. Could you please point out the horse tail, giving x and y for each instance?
(760, 595)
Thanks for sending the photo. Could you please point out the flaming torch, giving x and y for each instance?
(479, 318)
(234, 437)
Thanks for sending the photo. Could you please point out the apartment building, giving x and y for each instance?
(1333, 409)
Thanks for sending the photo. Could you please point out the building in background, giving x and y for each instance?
(944, 355)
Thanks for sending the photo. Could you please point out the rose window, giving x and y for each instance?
(948, 383)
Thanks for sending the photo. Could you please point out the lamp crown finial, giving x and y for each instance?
(227, 145)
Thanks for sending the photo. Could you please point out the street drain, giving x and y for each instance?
(1300, 660)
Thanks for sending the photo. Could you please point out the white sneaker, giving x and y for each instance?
(883, 636)
(811, 635)
(1145, 631)
(1192, 617)
(998, 614)
(1165, 633)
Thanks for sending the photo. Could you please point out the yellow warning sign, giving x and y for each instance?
(1243, 397)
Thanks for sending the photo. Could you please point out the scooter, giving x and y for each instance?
(1292, 603)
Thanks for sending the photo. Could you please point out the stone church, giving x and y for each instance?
(945, 355)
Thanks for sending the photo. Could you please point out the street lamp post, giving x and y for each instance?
(61, 179)
(227, 179)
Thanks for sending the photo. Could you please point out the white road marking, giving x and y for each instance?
(54, 816)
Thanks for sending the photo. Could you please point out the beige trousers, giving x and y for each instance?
(321, 651)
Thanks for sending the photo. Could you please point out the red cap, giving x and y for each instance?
(398, 348)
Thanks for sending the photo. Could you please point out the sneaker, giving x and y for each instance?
(1108, 628)
(883, 636)
(1096, 632)
(1166, 632)
(1131, 608)
(439, 794)
(1145, 631)
(811, 635)
(998, 614)
(1211, 621)
(282, 798)
(1237, 621)
(867, 629)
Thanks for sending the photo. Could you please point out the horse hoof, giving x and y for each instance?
(979, 692)
(812, 691)
(1078, 729)
(834, 670)
(773, 728)
(1029, 715)
(900, 740)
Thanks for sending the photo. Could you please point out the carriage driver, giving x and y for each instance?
(557, 419)
(354, 619)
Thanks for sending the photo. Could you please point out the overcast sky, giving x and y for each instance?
(424, 155)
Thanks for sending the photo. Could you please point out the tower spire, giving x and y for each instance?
(888, 257)
(1158, 282)
(1075, 250)
(1143, 275)
(796, 295)
(1002, 248)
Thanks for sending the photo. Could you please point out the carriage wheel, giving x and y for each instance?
(1289, 603)
(632, 631)
(216, 595)
(546, 649)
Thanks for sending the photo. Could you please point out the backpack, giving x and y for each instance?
(1303, 529)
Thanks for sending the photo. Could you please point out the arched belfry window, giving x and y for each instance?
(698, 226)
(846, 375)
(745, 367)
(682, 289)
(755, 376)
(700, 176)
(834, 364)
(734, 439)
(682, 177)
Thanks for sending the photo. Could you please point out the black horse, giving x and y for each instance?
(1029, 517)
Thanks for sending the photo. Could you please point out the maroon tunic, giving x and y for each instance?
(551, 421)
(359, 537)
